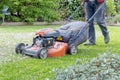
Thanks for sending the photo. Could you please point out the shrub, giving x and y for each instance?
(1, 18)
(117, 5)
(117, 18)
(110, 8)
(104, 67)
(67, 7)
(29, 10)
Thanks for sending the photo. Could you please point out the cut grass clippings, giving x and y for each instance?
(18, 67)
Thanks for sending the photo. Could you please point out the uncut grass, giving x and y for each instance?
(17, 67)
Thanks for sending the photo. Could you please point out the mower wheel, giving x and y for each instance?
(19, 48)
(42, 53)
(73, 50)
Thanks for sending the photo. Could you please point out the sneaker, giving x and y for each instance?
(89, 44)
(107, 39)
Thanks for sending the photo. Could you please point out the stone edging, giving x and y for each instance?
(41, 23)
(35, 23)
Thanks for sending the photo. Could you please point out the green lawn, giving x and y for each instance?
(17, 67)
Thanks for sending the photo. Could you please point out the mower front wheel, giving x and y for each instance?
(73, 50)
(19, 48)
(42, 53)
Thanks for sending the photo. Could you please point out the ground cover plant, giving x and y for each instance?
(17, 67)
(103, 67)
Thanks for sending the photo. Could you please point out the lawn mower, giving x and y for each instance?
(55, 43)
(58, 42)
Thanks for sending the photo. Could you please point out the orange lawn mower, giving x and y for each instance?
(58, 42)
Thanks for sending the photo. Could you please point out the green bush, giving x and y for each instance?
(29, 10)
(110, 8)
(117, 5)
(1, 15)
(67, 7)
(117, 18)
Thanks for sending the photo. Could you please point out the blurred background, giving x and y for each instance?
(51, 10)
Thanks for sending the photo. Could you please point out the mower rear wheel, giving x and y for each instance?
(73, 50)
(42, 53)
(19, 48)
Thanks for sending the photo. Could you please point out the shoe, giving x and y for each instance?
(89, 44)
(107, 39)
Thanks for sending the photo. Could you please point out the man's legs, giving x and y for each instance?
(100, 18)
(90, 9)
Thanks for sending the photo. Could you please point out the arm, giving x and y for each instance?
(100, 1)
